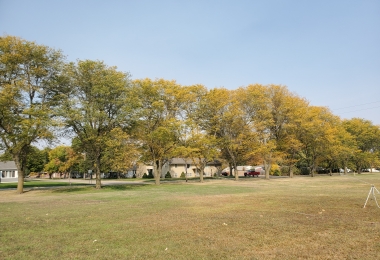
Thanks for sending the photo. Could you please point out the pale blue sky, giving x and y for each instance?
(327, 51)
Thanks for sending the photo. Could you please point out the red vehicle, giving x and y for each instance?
(251, 173)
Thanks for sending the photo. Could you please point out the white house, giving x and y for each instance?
(8, 172)
(139, 170)
(177, 166)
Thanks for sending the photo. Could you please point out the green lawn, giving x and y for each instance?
(300, 218)
(38, 184)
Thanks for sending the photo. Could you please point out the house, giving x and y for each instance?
(138, 170)
(177, 166)
(8, 172)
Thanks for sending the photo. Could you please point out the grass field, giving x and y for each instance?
(39, 184)
(300, 218)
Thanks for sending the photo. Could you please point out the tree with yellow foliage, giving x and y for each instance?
(160, 117)
(98, 102)
(367, 140)
(30, 85)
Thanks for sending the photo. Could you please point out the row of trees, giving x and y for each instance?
(61, 159)
(116, 121)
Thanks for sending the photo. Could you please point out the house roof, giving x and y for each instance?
(181, 161)
(8, 165)
(215, 163)
(190, 161)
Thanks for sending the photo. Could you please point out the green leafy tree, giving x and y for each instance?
(35, 162)
(290, 115)
(258, 103)
(318, 133)
(220, 116)
(120, 152)
(161, 106)
(196, 144)
(200, 148)
(167, 175)
(30, 87)
(367, 139)
(62, 159)
(37, 159)
(98, 103)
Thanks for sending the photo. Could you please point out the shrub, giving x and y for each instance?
(145, 176)
(167, 175)
(275, 170)
(285, 170)
(183, 175)
(305, 171)
(150, 175)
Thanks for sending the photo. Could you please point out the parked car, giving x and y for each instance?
(321, 170)
(340, 170)
(252, 173)
(370, 170)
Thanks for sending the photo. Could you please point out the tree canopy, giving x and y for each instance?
(30, 86)
(116, 122)
(96, 104)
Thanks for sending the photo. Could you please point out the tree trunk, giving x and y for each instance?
(358, 168)
(98, 184)
(233, 158)
(157, 171)
(312, 171)
(20, 170)
(291, 171)
(236, 171)
(267, 166)
(202, 168)
(201, 176)
(345, 168)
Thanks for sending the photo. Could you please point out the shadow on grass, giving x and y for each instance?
(39, 184)
(190, 179)
(118, 187)
(73, 189)
(123, 187)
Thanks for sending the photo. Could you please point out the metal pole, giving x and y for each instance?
(186, 171)
(369, 193)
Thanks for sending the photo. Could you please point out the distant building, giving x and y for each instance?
(177, 166)
(8, 172)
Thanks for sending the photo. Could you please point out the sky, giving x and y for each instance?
(326, 51)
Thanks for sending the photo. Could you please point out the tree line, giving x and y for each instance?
(116, 121)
